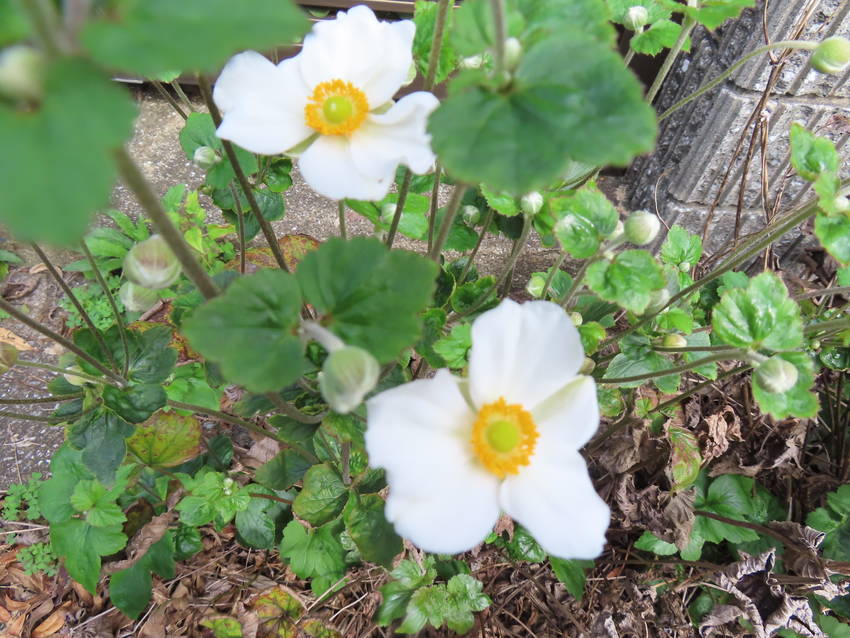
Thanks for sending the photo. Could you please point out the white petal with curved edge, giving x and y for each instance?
(570, 417)
(396, 137)
(262, 104)
(523, 353)
(439, 498)
(328, 168)
(374, 56)
(554, 499)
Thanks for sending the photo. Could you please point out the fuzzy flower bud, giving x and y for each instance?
(136, 298)
(618, 232)
(22, 72)
(587, 366)
(471, 214)
(72, 378)
(531, 203)
(536, 284)
(642, 227)
(675, 341)
(472, 62)
(513, 53)
(776, 375)
(657, 300)
(205, 157)
(636, 18)
(8, 357)
(576, 318)
(832, 55)
(152, 264)
(348, 375)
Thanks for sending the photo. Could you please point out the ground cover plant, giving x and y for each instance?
(397, 444)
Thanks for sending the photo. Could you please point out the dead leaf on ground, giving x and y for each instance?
(7, 336)
(52, 624)
(717, 430)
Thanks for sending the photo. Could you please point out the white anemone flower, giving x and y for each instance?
(335, 95)
(459, 452)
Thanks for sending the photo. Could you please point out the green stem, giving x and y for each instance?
(25, 417)
(448, 221)
(54, 399)
(498, 7)
(491, 213)
(399, 207)
(436, 44)
(341, 212)
(240, 228)
(265, 225)
(700, 386)
(183, 97)
(57, 277)
(785, 44)
(434, 204)
(164, 93)
(687, 26)
(553, 270)
(292, 412)
(695, 349)
(76, 373)
(42, 17)
(675, 370)
(575, 286)
(842, 323)
(631, 54)
(826, 292)
(136, 182)
(119, 320)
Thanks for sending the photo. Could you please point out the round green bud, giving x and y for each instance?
(471, 214)
(388, 212)
(576, 318)
(472, 62)
(72, 378)
(136, 298)
(636, 18)
(685, 266)
(22, 70)
(832, 55)
(587, 366)
(531, 203)
(536, 284)
(205, 157)
(8, 357)
(675, 341)
(348, 375)
(513, 53)
(152, 264)
(776, 375)
(642, 227)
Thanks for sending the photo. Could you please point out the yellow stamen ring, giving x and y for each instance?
(503, 437)
(336, 107)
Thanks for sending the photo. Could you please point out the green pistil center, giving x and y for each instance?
(337, 109)
(503, 436)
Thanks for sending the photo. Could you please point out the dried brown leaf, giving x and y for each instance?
(53, 623)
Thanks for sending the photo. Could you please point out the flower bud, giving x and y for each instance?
(636, 18)
(72, 378)
(675, 341)
(776, 375)
(472, 62)
(842, 204)
(136, 298)
(832, 55)
(349, 373)
(587, 366)
(536, 284)
(513, 53)
(151, 264)
(471, 214)
(657, 300)
(617, 233)
(8, 357)
(388, 212)
(531, 203)
(642, 227)
(576, 318)
(22, 72)
(684, 266)
(205, 157)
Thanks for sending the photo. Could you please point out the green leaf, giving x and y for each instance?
(685, 458)
(572, 573)
(712, 13)
(425, 17)
(98, 504)
(54, 494)
(374, 536)
(368, 296)
(223, 627)
(523, 138)
(586, 217)
(834, 235)
(799, 401)
(270, 203)
(427, 605)
(406, 578)
(627, 280)
(465, 597)
(168, 439)
(82, 120)
(136, 403)
(708, 370)
(156, 36)
(472, 31)
(81, 545)
(258, 315)
(502, 203)
(454, 347)
(729, 495)
(681, 248)
(762, 316)
(649, 542)
(13, 25)
(101, 436)
(198, 131)
(659, 36)
(312, 553)
(811, 155)
(833, 627)
(130, 589)
(656, 9)
(257, 523)
(214, 498)
(592, 334)
(475, 296)
(283, 471)
(322, 497)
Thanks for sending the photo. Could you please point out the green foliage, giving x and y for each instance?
(83, 118)
(166, 440)
(572, 573)
(798, 401)
(21, 501)
(322, 497)
(628, 279)
(38, 558)
(638, 358)
(712, 13)
(213, 498)
(681, 248)
(157, 36)
(425, 18)
(199, 131)
(130, 589)
(316, 553)
(454, 347)
(834, 521)
(369, 529)
(259, 523)
(660, 35)
(812, 156)
(94, 302)
(685, 458)
(81, 545)
(585, 218)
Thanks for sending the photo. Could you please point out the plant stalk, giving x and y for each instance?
(448, 221)
(436, 44)
(471, 258)
(343, 233)
(687, 26)
(675, 370)
(76, 373)
(399, 207)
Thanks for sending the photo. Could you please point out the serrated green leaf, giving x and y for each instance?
(257, 523)
(712, 13)
(812, 156)
(322, 497)
(628, 279)
(681, 247)
(135, 403)
(166, 440)
(312, 553)
(799, 401)
(425, 17)
(81, 545)
(374, 536)
(572, 573)
(454, 347)
(649, 542)
(100, 435)
(834, 235)
(283, 471)
(198, 131)
(660, 35)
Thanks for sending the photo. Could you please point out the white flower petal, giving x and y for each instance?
(396, 137)
(554, 499)
(374, 56)
(262, 104)
(439, 498)
(328, 168)
(523, 353)
(570, 417)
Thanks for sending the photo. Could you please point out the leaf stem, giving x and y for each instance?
(54, 399)
(448, 221)
(119, 320)
(399, 207)
(240, 228)
(434, 204)
(826, 292)
(57, 277)
(553, 270)
(695, 349)
(265, 225)
(50, 368)
(491, 213)
(842, 323)
(498, 7)
(136, 182)
(343, 233)
(675, 370)
(436, 44)
(578, 279)
(26, 417)
(687, 26)
(168, 98)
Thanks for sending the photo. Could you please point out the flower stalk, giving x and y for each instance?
(448, 220)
